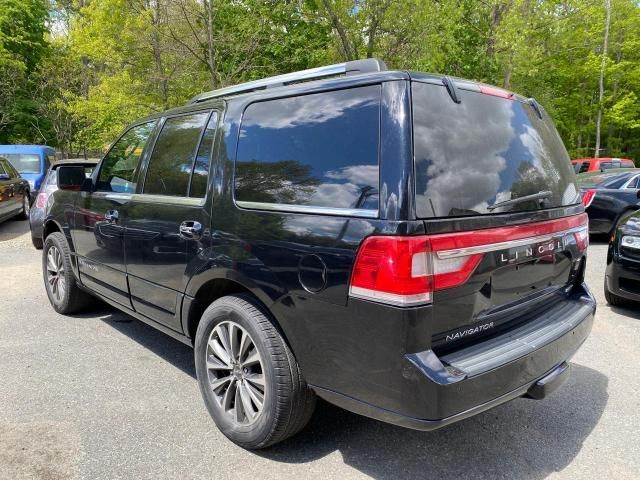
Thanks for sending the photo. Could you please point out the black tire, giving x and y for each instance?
(288, 401)
(615, 300)
(37, 243)
(26, 207)
(71, 299)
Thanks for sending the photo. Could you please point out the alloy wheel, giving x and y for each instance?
(55, 273)
(26, 205)
(235, 372)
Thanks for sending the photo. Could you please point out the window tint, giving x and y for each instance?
(172, 158)
(201, 165)
(584, 167)
(120, 165)
(483, 151)
(317, 150)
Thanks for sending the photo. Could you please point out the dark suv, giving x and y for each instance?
(409, 247)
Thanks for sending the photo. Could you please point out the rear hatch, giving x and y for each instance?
(498, 196)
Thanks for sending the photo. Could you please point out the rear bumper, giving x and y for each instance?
(441, 393)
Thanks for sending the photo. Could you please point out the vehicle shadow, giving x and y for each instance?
(170, 349)
(521, 439)
(13, 228)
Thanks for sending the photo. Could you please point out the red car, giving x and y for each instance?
(582, 165)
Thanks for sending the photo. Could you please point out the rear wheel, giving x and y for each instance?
(63, 292)
(26, 207)
(249, 379)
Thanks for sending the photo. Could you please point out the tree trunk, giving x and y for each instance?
(210, 55)
(605, 46)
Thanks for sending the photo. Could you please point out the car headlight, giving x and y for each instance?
(631, 241)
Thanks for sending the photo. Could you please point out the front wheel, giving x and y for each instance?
(248, 376)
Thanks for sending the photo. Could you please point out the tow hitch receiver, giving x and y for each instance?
(550, 382)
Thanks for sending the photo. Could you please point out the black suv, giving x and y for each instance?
(409, 247)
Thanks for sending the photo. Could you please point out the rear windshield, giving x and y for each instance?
(25, 162)
(486, 150)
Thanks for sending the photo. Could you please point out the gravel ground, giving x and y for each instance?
(102, 396)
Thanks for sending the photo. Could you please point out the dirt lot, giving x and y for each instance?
(102, 396)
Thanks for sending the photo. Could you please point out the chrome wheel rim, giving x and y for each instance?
(55, 273)
(235, 372)
(26, 206)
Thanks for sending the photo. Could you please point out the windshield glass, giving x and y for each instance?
(604, 180)
(484, 151)
(25, 162)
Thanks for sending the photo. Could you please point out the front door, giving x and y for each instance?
(98, 232)
(168, 218)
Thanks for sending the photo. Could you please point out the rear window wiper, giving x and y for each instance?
(527, 198)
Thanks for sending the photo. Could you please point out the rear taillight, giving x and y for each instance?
(587, 197)
(41, 200)
(406, 271)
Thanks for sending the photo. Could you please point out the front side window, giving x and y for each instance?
(316, 150)
(120, 166)
(3, 170)
(172, 159)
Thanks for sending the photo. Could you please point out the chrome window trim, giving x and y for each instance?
(626, 184)
(168, 199)
(493, 247)
(286, 208)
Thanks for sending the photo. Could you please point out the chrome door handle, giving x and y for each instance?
(111, 216)
(191, 229)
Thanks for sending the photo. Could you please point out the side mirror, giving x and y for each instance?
(87, 185)
(71, 177)
(5, 176)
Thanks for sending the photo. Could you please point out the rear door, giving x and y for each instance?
(98, 231)
(493, 160)
(169, 216)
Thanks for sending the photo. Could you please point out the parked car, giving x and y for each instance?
(14, 192)
(31, 161)
(283, 233)
(608, 196)
(48, 186)
(582, 165)
(622, 277)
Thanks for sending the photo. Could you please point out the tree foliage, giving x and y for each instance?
(73, 73)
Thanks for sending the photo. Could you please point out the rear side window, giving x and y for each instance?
(120, 166)
(11, 170)
(584, 167)
(318, 150)
(471, 156)
(173, 156)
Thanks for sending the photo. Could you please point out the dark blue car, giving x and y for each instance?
(31, 161)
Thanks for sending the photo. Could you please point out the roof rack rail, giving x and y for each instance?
(348, 68)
